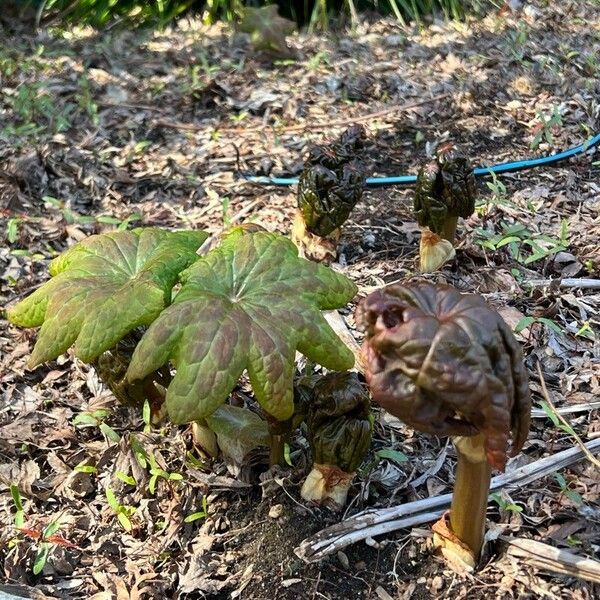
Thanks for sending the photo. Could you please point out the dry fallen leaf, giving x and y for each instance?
(267, 29)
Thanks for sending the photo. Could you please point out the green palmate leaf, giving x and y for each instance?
(248, 304)
(103, 288)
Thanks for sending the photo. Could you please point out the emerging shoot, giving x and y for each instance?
(340, 426)
(330, 186)
(445, 191)
(447, 364)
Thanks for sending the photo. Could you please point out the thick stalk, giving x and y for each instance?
(434, 251)
(449, 229)
(311, 246)
(279, 433)
(327, 483)
(277, 455)
(205, 438)
(471, 490)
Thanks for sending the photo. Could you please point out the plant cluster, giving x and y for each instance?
(171, 331)
(248, 305)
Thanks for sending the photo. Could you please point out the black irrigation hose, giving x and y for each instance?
(506, 167)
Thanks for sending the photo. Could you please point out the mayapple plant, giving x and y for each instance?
(340, 427)
(329, 188)
(103, 288)
(248, 304)
(448, 365)
(445, 191)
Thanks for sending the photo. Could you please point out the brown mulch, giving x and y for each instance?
(89, 141)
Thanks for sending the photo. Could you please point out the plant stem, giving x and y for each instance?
(276, 456)
(205, 437)
(327, 483)
(449, 229)
(279, 433)
(471, 490)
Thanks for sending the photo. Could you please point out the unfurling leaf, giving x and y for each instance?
(445, 190)
(103, 288)
(446, 364)
(331, 183)
(339, 421)
(339, 426)
(250, 303)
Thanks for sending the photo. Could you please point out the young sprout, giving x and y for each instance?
(330, 186)
(445, 191)
(340, 426)
(447, 364)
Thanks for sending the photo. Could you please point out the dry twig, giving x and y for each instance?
(573, 282)
(381, 521)
(312, 126)
(548, 558)
(566, 423)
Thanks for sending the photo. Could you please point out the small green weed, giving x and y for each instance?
(96, 419)
(394, 455)
(123, 512)
(201, 514)
(19, 518)
(505, 505)
(544, 126)
(157, 473)
(528, 321)
(567, 491)
(45, 547)
(523, 245)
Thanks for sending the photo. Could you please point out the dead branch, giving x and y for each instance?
(385, 520)
(548, 558)
(399, 108)
(582, 283)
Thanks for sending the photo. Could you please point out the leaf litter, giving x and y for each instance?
(95, 137)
